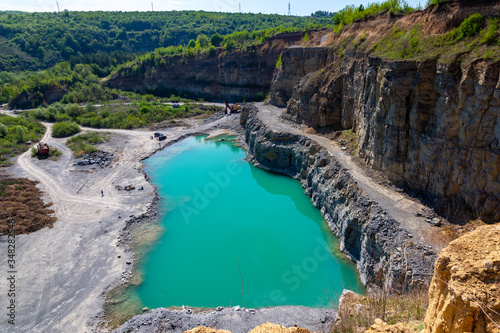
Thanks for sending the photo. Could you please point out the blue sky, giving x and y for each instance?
(254, 6)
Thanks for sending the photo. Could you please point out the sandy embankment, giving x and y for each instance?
(63, 272)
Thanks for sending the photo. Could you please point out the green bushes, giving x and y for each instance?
(19, 132)
(64, 129)
(80, 83)
(127, 116)
(467, 29)
(490, 35)
(351, 13)
(400, 44)
(3, 130)
(471, 25)
(14, 132)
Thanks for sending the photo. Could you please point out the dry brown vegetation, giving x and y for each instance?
(356, 314)
(20, 200)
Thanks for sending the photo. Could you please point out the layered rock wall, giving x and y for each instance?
(433, 127)
(385, 255)
(233, 75)
(296, 62)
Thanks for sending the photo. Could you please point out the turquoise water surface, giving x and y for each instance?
(227, 222)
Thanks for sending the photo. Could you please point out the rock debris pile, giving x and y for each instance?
(101, 158)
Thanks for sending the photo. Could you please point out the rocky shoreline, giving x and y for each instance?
(236, 319)
(387, 256)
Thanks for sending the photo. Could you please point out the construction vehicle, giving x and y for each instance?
(231, 109)
(43, 149)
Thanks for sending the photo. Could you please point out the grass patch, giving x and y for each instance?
(475, 38)
(85, 143)
(401, 44)
(347, 139)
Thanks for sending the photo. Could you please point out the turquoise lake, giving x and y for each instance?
(226, 222)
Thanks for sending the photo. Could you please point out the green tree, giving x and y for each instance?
(3, 130)
(202, 41)
(216, 39)
(191, 44)
(19, 132)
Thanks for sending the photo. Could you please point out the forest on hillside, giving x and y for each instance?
(34, 41)
(50, 57)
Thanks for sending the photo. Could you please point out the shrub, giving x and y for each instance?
(54, 152)
(278, 63)
(470, 26)
(145, 109)
(491, 33)
(65, 129)
(260, 96)
(3, 130)
(338, 28)
(19, 132)
(73, 110)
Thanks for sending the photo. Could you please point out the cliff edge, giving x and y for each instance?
(428, 117)
(464, 295)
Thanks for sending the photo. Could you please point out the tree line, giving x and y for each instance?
(37, 41)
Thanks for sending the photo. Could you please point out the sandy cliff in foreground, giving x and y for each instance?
(465, 291)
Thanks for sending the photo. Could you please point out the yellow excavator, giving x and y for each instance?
(231, 109)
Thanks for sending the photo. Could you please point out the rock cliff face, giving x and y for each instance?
(433, 127)
(464, 295)
(296, 62)
(30, 100)
(385, 255)
(230, 75)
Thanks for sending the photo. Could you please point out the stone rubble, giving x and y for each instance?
(101, 158)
